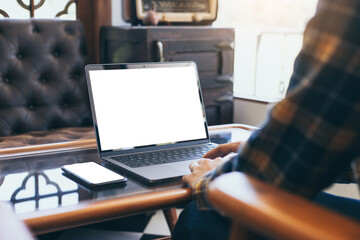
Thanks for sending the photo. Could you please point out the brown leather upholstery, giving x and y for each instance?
(45, 137)
(42, 81)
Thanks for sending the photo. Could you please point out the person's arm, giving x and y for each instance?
(312, 135)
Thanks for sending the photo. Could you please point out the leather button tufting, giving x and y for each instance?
(35, 91)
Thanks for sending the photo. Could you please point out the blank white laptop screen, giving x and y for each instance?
(141, 107)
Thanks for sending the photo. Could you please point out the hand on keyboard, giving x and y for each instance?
(223, 150)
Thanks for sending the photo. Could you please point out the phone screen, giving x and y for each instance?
(93, 173)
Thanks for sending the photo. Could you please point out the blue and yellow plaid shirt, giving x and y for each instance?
(313, 135)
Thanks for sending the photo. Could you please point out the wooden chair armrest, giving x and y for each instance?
(272, 212)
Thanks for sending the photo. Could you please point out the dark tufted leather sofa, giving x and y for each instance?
(43, 92)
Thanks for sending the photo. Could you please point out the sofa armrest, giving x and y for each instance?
(264, 209)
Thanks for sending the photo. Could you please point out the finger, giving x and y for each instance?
(203, 164)
(213, 153)
(202, 161)
(218, 160)
(185, 178)
(222, 150)
(193, 165)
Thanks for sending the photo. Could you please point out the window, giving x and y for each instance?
(91, 13)
(268, 38)
(21, 9)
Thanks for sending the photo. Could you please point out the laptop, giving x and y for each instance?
(149, 118)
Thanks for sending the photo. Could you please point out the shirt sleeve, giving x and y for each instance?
(312, 135)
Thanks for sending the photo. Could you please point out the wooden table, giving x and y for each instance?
(41, 165)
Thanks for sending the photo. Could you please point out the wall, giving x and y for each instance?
(249, 112)
(116, 14)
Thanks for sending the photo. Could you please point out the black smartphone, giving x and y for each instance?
(93, 174)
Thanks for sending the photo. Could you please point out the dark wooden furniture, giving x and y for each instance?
(93, 14)
(211, 48)
(33, 165)
(256, 207)
(195, 12)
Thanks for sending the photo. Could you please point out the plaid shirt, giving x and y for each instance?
(313, 135)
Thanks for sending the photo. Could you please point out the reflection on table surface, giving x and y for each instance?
(37, 182)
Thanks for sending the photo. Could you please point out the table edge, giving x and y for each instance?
(104, 210)
(16, 152)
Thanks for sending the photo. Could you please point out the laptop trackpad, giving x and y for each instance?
(159, 172)
(165, 171)
(182, 167)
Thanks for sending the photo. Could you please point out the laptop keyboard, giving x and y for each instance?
(165, 156)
